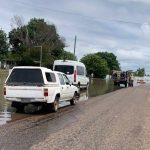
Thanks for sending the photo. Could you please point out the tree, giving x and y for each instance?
(96, 65)
(68, 56)
(17, 22)
(140, 72)
(111, 60)
(37, 32)
(18, 34)
(3, 43)
(40, 32)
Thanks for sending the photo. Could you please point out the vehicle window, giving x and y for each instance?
(66, 79)
(80, 70)
(26, 77)
(65, 69)
(50, 77)
(62, 82)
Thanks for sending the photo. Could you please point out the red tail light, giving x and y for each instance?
(45, 92)
(4, 90)
(75, 75)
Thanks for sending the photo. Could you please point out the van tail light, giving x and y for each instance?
(4, 90)
(45, 92)
(75, 75)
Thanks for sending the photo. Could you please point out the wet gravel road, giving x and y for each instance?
(115, 121)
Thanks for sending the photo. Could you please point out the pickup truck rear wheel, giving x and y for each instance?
(55, 105)
(19, 106)
(74, 99)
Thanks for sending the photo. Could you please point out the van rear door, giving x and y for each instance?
(66, 69)
(81, 73)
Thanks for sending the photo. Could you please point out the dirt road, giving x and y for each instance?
(116, 121)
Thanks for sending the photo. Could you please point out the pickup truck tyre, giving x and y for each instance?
(19, 106)
(74, 99)
(55, 105)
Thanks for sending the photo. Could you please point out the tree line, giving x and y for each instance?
(100, 64)
(22, 45)
(140, 72)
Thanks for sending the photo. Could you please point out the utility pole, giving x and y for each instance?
(75, 45)
(40, 55)
(27, 36)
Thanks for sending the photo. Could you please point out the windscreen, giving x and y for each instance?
(65, 69)
(25, 77)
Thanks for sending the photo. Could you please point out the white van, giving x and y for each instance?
(75, 71)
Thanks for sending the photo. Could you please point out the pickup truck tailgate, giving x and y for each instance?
(24, 92)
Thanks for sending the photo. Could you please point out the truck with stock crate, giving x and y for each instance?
(122, 77)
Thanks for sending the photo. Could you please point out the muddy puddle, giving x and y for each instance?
(7, 113)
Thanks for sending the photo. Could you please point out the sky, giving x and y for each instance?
(118, 26)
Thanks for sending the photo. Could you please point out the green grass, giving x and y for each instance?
(3, 72)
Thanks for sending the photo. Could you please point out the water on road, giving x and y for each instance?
(96, 87)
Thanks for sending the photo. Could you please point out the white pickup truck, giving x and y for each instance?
(38, 85)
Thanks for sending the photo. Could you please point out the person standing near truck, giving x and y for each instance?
(131, 79)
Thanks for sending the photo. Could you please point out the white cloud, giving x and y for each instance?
(129, 55)
(146, 30)
(112, 25)
(141, 1)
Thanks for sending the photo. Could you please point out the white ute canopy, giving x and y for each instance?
(28, 82)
